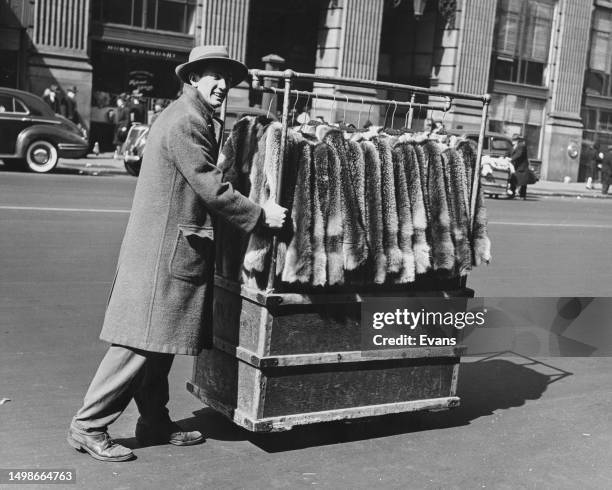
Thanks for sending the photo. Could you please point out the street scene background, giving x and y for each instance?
(523, 423)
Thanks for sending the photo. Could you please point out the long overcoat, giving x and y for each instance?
(159, 299)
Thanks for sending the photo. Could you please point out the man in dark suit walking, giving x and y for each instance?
(519, 159)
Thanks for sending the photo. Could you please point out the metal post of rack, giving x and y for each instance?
(279, 179)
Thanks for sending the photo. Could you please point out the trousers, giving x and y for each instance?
(125, 373)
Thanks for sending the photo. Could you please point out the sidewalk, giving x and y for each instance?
(573, 189)
(102, 164)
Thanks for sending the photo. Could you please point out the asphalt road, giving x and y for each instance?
(522, 423)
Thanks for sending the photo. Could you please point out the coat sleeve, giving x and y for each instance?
(193, 150)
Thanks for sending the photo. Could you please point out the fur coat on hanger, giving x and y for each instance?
(456, 187)
(320, 210)
(235, 161)
(481, 245)
(334, 232)
(404, 214)
(299, 258)
(419, 218)
(443, 251)
(350, 157)
(389, 205)
(263, 178)
(423, 165)
(374, 211)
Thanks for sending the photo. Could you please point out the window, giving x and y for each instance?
(597, 126)
(165, 15)
(600, 60)
(19, 107)
(6, 103)
(522, 41)
(511, 114)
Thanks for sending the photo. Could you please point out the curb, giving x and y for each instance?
(569, 194)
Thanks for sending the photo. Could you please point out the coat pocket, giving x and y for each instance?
(192, 253)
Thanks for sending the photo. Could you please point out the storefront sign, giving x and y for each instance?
(142, 51)
(141, 80)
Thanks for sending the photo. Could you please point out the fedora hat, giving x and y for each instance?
(201, 56)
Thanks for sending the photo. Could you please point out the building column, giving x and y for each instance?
(474, 40)
(60, 41)
(349, 46)
(563, 124)
(225, 22)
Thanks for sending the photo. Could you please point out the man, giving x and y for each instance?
(137, 110)
(53, 99)
(121, 122)
(70, 106)
(519, 159)
(606, 171)
(160, 301)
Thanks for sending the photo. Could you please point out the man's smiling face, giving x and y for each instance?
(213, 84)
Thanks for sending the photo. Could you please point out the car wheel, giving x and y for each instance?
(41, 157)
(133, 168)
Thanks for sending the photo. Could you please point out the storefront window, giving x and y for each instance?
(597, 126)
(522, 41)
(165, 15)
(511, 114)
(600, 62)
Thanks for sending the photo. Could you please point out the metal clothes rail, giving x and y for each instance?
(289, 76)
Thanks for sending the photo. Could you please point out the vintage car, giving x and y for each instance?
(136, 139)
(32, 136)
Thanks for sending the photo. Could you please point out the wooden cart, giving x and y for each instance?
(282, 359)
(496, 183)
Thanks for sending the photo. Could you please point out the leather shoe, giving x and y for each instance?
(99, 446)
(170, 432)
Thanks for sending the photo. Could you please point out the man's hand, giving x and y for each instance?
(274, 215)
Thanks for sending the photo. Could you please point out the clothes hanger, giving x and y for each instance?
(271, 100)
(297, 97)
(347, 128)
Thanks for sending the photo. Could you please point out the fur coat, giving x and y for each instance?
(481, 245)
(404, 214)
(298, 262)
(389, 205)
(320, 211)
(419, 218)
(456, 193)
(443, 251)
(374, 212)
(334, 231)
(235, 161)
(350, 159)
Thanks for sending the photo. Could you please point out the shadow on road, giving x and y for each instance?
(484, 387)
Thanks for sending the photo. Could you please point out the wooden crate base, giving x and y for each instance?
(282, 360)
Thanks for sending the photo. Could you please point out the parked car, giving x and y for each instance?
(32, 136)
(136, 139)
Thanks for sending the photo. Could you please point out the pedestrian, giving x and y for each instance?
(521, 176)
(137, 109)
(70, 107)
(158, 107)
(160, 304)
(121, 122)
(52, 97)
(606, 171)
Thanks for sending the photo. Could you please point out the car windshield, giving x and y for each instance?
(500, 144)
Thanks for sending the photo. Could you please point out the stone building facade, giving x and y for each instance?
(547, 63)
